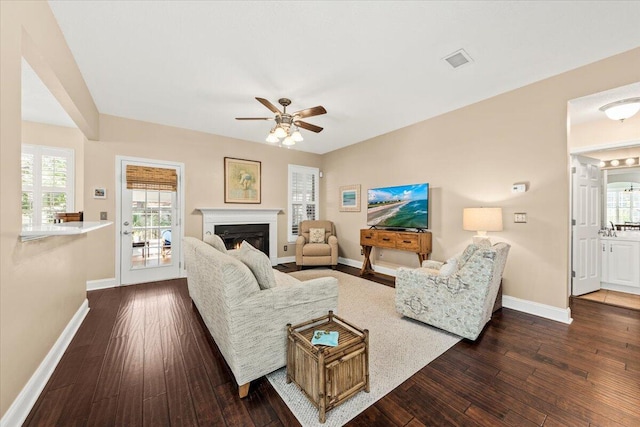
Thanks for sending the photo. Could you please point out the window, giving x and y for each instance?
(623, 205)
(47, 183)
(303, 197)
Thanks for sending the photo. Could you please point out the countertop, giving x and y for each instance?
(62, 229)
(633, 236)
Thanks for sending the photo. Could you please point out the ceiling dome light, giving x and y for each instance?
(280, 132)
(601, 164)
(630, 161)
(621, 110)
(288, 141)
(614, 162)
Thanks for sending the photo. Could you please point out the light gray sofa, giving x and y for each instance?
(248, 323)
(459, 301)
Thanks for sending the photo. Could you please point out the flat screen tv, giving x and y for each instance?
(401, 207)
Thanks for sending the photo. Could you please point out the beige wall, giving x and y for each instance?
(471, 157)
(203, 156)
(42, 283)
(64, 137)
(605, 131)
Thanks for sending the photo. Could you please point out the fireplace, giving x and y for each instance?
(212, 218)
(257, 235)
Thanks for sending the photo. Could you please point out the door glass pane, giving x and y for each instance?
(151, 228)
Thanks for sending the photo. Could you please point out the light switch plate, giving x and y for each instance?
(103, 216)
(520, 217)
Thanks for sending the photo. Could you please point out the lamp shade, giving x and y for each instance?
(482, 219)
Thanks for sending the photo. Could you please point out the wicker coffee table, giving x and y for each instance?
(328, 375)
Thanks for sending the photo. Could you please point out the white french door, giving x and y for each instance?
(150, 227)
(586, 254)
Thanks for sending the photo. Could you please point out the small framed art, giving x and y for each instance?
(99, 193)
(350, 198)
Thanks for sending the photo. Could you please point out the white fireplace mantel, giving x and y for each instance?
(234, 216)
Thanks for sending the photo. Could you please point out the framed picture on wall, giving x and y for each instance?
(99, 193)
(350, 198)
(242, 181)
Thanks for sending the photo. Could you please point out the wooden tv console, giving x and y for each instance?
(412, 241)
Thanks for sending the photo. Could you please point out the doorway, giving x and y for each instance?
(616, 146)
(149, 225)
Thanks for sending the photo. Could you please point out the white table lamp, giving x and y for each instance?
(482, 220)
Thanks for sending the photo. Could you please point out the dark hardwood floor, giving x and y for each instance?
(142, 357)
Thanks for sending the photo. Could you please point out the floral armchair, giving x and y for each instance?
(457, 296)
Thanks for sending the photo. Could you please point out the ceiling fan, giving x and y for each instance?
(285, 121)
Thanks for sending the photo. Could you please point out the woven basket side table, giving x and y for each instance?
(328, 375)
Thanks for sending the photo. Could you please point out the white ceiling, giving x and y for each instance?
(38, 103)
(375, 66)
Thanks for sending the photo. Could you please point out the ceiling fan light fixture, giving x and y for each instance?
(621, 110)
(287, 127)
(297, 136)
(280, 132)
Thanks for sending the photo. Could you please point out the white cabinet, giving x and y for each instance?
(621, 262)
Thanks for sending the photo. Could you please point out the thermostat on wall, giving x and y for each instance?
(519, 188)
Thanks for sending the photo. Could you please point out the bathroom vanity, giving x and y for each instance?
(621, 262)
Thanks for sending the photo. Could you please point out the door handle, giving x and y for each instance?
(126, 232)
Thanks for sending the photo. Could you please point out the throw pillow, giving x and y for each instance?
(216, 241)
(259, 264)
(464, 257)
(449, 267)
(316, 235)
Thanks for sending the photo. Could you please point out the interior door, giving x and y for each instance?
(586, 255)
(150, 229)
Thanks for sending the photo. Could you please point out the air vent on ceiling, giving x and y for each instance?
(458, 58)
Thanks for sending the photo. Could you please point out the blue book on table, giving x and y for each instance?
(329, 338)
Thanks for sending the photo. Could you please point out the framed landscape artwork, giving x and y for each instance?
(350, 198)
(242, 181)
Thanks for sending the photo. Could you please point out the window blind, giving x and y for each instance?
(150, 178)
(303, 197)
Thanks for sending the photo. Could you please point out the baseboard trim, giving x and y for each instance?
(94, 285)
(22, 405)
(562, 315)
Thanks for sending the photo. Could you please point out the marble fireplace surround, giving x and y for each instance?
(239, 216)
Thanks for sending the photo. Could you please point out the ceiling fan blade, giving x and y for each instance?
(310, 112)
(269, 105)
(308, 126)
(254, 118)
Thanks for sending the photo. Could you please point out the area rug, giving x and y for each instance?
(398, 347)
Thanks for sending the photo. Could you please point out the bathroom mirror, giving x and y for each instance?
(622, 198)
